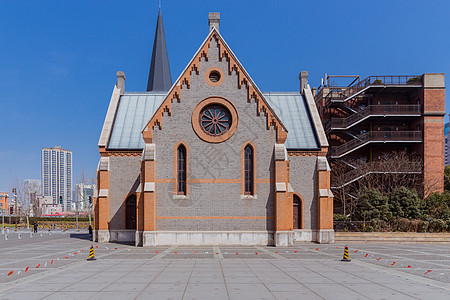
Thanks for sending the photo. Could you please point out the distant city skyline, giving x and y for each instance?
(59, 68)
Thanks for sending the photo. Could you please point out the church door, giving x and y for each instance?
(131, 212)
(296, 212)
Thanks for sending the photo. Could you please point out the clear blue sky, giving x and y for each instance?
(58, 59)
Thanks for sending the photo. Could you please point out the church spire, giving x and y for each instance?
(159, 76)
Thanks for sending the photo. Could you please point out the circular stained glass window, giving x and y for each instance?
(215, 120)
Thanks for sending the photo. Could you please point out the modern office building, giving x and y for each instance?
(371, 119)
(57, 175)
(210, 159)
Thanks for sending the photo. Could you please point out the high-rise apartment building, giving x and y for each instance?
(57, 175)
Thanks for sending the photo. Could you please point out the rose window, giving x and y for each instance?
(215, 120)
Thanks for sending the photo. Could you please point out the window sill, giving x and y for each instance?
(249, 197)
(181, 197)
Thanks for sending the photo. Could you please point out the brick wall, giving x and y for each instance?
(123, 179)
(208, 203)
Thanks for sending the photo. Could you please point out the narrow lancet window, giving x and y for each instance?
(181, 189)
(248, 163)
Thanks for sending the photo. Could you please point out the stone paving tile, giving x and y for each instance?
(124, 295)
(295, 295)
(160, 276)
(19, 295)
(170, 287)
(160, 295)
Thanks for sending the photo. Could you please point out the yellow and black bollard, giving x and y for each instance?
(91, 254)
(346, 255)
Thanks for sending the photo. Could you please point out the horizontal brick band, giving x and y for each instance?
(212, 180)
(215, 217)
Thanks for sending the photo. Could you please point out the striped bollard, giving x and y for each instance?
(346, 255)
(91, 254)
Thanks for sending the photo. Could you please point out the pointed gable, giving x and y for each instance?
(244, 81)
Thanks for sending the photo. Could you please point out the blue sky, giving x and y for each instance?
(58, 59)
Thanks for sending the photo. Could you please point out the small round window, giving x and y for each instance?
(215, 120)
(214, 76)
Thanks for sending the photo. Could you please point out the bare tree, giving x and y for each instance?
(25, 194)
(393, 170)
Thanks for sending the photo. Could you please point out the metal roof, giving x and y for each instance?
(292, 109)
(135, 109)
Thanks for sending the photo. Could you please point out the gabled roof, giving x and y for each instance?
(243, 78)
(159, 78)
(134, 109)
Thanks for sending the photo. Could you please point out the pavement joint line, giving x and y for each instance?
(420, 252)
(400, 258)
(312, 291)
(112, 282)
(34, 277)
(371, 281)
(37, 242)
(80, 280)
(261, 249)
(401, 274)
(262, 282)
(224, 280)
(37, 257)
(161, 255)
(189, 280)
(336, 282)
(216, 249)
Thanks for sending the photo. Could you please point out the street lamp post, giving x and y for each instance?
(76, 207)
(15, 205)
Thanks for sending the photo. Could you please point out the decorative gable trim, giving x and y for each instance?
(244, 78)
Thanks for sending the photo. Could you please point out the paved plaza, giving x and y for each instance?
(55, 267)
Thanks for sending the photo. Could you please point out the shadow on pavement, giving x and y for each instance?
(81, 236)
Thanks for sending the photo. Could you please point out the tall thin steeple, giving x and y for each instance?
(159, 78)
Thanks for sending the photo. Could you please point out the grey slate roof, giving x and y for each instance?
(136, 109)
(159, 78)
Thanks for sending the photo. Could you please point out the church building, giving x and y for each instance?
(210, 159)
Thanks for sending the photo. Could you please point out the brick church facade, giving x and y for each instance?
(212, 160)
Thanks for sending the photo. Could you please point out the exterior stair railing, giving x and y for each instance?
(376, 136)
(341, 94)
(344, 123)
(376, 168)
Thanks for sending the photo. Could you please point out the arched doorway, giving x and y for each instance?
(297, 212)
(130, 212)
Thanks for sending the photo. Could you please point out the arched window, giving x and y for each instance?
(181, 170)
(297, 212)
(248, 170)
(130, 212)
